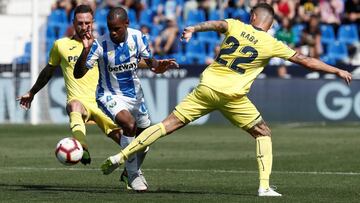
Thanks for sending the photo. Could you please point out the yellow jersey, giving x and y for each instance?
(65, 53)
(244, 52)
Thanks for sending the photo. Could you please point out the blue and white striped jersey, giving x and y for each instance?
(118, 63)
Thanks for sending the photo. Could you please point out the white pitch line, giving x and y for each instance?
(186, 170)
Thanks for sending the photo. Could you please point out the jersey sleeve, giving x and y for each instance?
(282, 51)
(93, 55)
(233, 24)
(144, 47)
(54, 56)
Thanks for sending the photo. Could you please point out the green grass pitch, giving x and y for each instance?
(312, 163)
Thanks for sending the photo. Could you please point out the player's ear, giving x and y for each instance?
(253, 17)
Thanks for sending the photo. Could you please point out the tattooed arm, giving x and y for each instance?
(317, 65)
(218, 26)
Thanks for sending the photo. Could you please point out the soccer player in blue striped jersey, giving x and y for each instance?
(224, 85)
(81, 105)
(119, 92)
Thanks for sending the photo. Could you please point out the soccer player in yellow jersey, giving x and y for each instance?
(224, 84)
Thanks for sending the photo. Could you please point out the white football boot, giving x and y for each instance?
(270, 192)
(143, 178)
(136, 183)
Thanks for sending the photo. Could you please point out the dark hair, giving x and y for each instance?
(264, 6)
(117, 12)
(83, 9)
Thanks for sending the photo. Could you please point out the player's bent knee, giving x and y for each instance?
(172, 123)
(260, 129)
(115, 135)
(75, 105)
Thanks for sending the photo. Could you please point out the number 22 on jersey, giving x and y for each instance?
(233, 46)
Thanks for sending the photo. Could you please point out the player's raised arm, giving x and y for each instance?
(317, 65)
(80, 68)
(43, 78)
(212, 25)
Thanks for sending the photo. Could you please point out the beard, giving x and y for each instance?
(79, 33)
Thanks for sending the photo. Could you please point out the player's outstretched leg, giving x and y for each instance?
(146, 138)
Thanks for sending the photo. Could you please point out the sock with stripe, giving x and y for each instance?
(78, 129)
(146, 138)
(264, 158)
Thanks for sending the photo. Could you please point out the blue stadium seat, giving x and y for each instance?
(328, 60)
(154, 4)
(214, 14)
(132, 16)
(211, 49)
(101, 28)
(146, 17)
(182, 59)
(48, 45)
(57, 16)
(25, 59)
(297, 30)
(348, 34)
(195, 51)
(327, 34)
(241, 14)
(180, 2)
(155, 31)
(27, 50)
(100, 15)
(56, 30)
(337, 51)
(208, 37)
(195, 16)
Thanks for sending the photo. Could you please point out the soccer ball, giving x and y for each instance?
(69, 151)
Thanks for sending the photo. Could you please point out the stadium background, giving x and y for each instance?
(294, 96)
(314, 161)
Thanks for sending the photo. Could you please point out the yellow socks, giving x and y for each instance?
(264, 158)
(78, 129)
(146, 138)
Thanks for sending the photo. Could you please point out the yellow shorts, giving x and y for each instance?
(203, 100)
(94, 113)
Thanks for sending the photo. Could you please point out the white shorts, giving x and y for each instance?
(113, 104)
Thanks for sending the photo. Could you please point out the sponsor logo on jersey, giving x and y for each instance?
(72, 58)
(123, 67)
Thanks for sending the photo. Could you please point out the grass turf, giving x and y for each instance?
(312, 163)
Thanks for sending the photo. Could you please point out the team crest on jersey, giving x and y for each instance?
(112, 104)
(108, 98)
(122, 57)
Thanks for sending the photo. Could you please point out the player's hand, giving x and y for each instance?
(87, 38)
(345, 75)
(25, 100)
(187, 33)
(164, 65)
